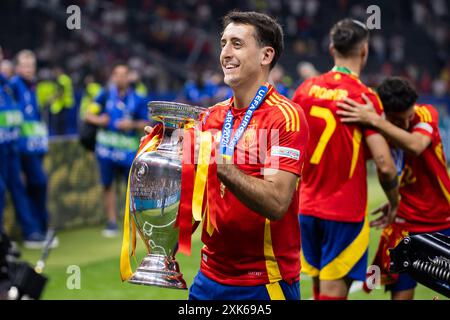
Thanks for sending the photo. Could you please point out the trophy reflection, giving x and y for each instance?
(155, 188)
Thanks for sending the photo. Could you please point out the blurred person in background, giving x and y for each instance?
(219, 91)
(196, 90)
(87, 132)
(10, 167)
(7, 68)
(33, 141)
(333, 196)
(306, 70)
(277, 79)
(413, 132)
(91, 90)
(120, 115)
(62, 101)
(137, 84)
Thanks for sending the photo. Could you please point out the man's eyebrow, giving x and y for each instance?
(232, 39)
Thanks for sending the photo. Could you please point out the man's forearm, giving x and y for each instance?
(257, 194)
(95, 120)
(401, 138)
(390, 187)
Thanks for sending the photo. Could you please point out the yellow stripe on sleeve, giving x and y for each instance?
(421, 115)
(427, 114)
(286, 116)
(296, 117)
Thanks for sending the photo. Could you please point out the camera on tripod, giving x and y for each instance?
(18, 279)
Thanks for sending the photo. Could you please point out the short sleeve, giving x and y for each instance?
(378, 106)
(100, 99)
(428, 121)
(288, 140)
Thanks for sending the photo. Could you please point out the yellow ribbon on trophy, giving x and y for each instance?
(149, 144)
(204, 157)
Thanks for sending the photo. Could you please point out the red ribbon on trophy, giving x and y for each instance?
(199, 187)
(184, 217)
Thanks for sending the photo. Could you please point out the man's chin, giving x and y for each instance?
(230, 81)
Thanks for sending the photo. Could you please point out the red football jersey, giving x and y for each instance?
(425, 183)
(334, 185)
(248, 249)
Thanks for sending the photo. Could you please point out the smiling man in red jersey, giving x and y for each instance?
(255, 251)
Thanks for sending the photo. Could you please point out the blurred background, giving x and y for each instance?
(172, 50)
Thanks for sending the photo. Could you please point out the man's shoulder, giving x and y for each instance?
(423, 106)
(426, 113)
(284, 111)
(218, 108)
(220, 105)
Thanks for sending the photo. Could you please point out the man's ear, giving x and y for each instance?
(331, 49)
(364, 51)
(268, 54)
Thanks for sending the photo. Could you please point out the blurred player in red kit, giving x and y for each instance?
(333, 195)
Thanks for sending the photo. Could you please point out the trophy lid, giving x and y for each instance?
(173, 112)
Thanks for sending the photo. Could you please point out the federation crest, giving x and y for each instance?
(249, 137)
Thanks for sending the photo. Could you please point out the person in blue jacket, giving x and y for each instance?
(11, 119)
(121, 115)
(33, 141)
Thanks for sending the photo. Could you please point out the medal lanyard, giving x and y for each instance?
(344, 70)
(227, 144)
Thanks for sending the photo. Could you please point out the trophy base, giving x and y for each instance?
(158, 270)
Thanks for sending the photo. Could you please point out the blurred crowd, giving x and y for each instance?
(173, 44)
(168, 50)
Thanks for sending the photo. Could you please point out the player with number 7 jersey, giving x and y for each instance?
(333, 194)
(334, 183)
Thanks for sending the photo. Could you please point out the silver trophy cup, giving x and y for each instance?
(155, 188)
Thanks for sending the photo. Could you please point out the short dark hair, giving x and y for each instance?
(120, 64)
(397, 94)
(268, 30)
(347, 34)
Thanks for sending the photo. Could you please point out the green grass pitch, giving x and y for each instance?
(98, 260)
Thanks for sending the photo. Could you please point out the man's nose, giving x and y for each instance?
(226, 51)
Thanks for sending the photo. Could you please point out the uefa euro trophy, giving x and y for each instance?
(155, 188)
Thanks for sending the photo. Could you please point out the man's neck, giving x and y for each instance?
(122, 91)
(25, 80)
(244, 95)
(350, 64)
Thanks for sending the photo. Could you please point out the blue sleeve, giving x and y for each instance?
(101, 100)
(141, 111)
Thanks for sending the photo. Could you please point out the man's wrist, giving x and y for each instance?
(376, 120)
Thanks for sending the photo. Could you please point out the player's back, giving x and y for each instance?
(334, 183)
